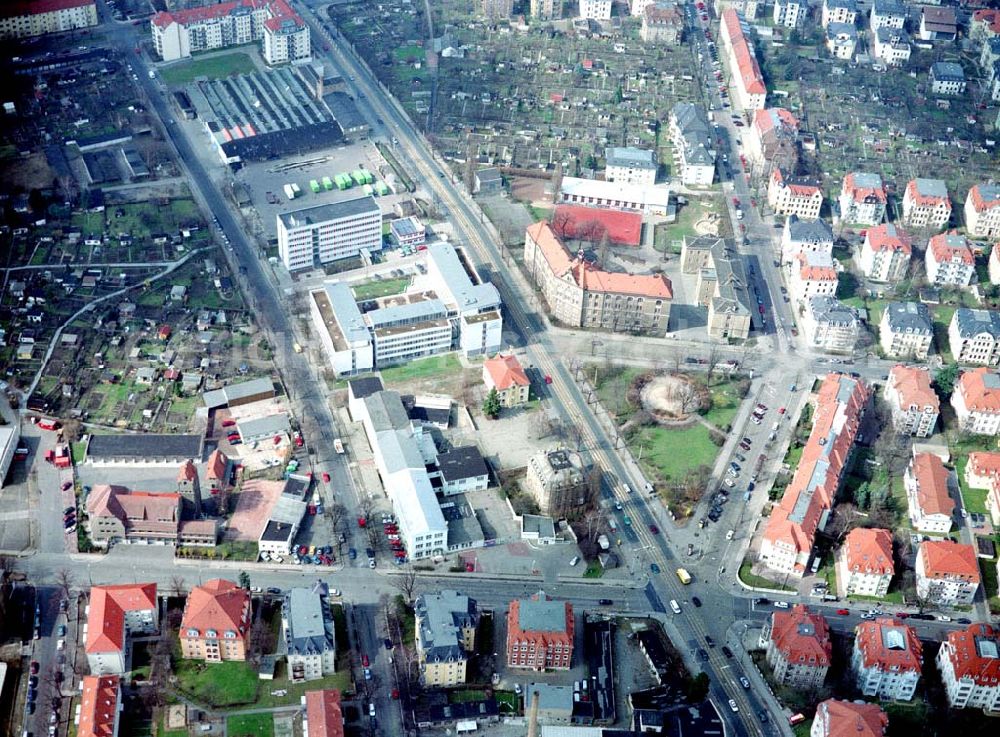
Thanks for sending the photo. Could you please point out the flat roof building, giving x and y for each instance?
(325, 233)
(145, 449)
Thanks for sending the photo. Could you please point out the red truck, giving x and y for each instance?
(45, 424)
(59, 457)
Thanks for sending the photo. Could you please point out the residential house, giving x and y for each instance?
(662, 23)
(862, 199)
(800, 235)
(926, 204)
(630, 165)
(848, 718)
(976, 400)
(969, 661)
(839, 11)
(789, 195)
(841, 40)
(947, 78)
(445, 637)
(113, 615)
(308, 633)
(982, 471)
(886, 659)
(930, 504)
(906, 330)
(892, 46)
(884, 256)
(950, 261)
(748, 85)
(799, 650)
(814, 275)
(323, 716)
(774, 138)
(555, 480)
(540, 633)
(788, 13)
(887, 14)
(694, 144)
(864, 562)
(982, 211)
(947, 573)
(790, 532)
(504, 373)
(830, 325)
(915, 406)
(938, 23)
(216, 622)
(100, 708)
(994, 265)
(974, 336)
(984, 25)
(722, 285)
(595, 9)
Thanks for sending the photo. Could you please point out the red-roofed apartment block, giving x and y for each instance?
(983, 472)
(915, 406)
(926, 484)
(849, 719)
(747, 80)
(100, 706)
(862, 199)
(324, 717)
(800, 196)
(885, 254)
(886, 660)
(947, 573)
(864, 562)
(950, 261)
(540, 633)
(774, 133)
(216, 622)
(799, 649)
(504, 373)
(926, 204)
(26, 18)
(982, 211)
(969, 661)
(976, 401)
(788, 539)
(592, 224)
(114, 614)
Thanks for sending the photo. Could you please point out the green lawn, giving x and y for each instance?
(687, 217)
(380, 288)
(508, 701)
(408, 53)
(421, 369)
(217, 684)
(974, 500)
(214, 67)
(79, 452)
(989, 573)
(673, 452)
(751, 579)
(802, 729)
(250, 725)
(725, 404)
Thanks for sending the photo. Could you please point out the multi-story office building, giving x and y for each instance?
(864, 562)
(180, 33)
(885, 253)
(799, 649)
(926, 204)
(947, 573)
(930, 505)
(906, 330)
(887, 659)
(318, 235)
(24, 18)
(445, 636)
(969, 661)
(914, 404)
(950, 261)
(974, 336)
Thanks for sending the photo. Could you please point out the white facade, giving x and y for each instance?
(892, 46)
(10, 436)
(884, 255)
(828, 325)
(787, 13)
(650, 200)
(982, 211)
(595, 9)
(926, 204)
(326, 233)
(839, 11)
(950, 261)
(862, 199)
(969, 662)
(801, 236)
(68, 15)
(915, 407)
(886, 681)
(631, 166)
(946, 588)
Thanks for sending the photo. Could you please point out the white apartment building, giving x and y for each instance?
(947, 573)
(27, 19)
(800, 236)
(892, 46)
(974, 336)
(788, 12)
(813, 275)
(976, 400)
(887, 14)
(308, 631)
(747, 80)
(864, 562)
(841, 40)
(178, 34)
(841, 718)
(950, 261)
(830, 325)
(926, 204)
(884, 255)
(906, 330)
(799, 196)
(947, 78)
(915, 406)
(969, 662)
(318, 235)
(930, 504)
(630, 165)
(887, 659)
(694, 144)
(994, 266)
(982, 211)
(862, 199)
(595, 9)
(839, 11)
(114, 615)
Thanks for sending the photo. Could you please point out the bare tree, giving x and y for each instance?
(712, 358)
(178, 585)
(64, 580)
(593, 522)
(407, 584)
(336, 513)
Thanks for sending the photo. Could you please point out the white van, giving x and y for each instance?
(576, 559)
(781, 605)
(674, 607)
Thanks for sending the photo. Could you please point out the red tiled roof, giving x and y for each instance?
(887, 237)
(913, 385)
(15, 8)
(977, 396)
(323, 713)
(946, 559)
(188, 472)
(279, 10)
(588, 276)
(850, 719)
(860, 193)
(979, 201)
(774, 118)
(932, 484)
(218, 605)
(108, 605)
(990, 18)
(965, 651)
(750, 76)
(99, 706)
(985, 463)
(505, 371)
(888, 644)
(869, 551)
(592, 224)
(809, 272)
(801, 636)
(217, 463)
(946, 246)
(915, 196)
(797, 187)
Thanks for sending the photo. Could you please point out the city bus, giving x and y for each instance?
(684, 576)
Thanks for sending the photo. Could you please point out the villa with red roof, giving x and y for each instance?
(747, 81)
(950, 261)
(915, 405)
(849, 719)
(504, 373)
(113, 615)
(862, 199)
(814, 274)
(969, 661)
(799, 649)
(790, 195)
(887, 659)
(581, 295)
(788, 538)
(774, 137)
(885, 254)
(947, 573)
(324, 716)
(976, 400)
(926, 484)
(982, 471)
(216, 622)
(178, 34)
(864, 563)
(26, 18)
(100, 706)
(982, 211)
(926, 204)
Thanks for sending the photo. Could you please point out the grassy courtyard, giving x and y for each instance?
(213, 67)
(433, 366)
(217, 684)
(250, 725)
(380, 288)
